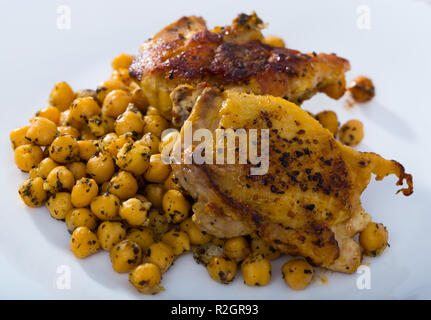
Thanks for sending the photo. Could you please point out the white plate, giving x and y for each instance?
(394, 52)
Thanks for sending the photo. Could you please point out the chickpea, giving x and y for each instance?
(33, 173)
(236, 248)
(28, 156)
(122, 61)
(171, 183)
(176, 206)
(86, 134)
(125, 256)
(256, 271)
(79, 169)
(362, 89)
(100, 167)
(80, 217)
(352, 133)
(45, 167)
(274, 41)
(144, 237)
(108, 123)
(50, 113)
(135, 212)
(178, 240)
(154, 193)
(161, 255)
(328, 119)
(159, 222)
(203, 254)
(18, 137)
(84, 108)
(259, 246)
(152, 111)
(196, 235)
(42, 131)
(32, 193)
(87, 149)
(70, 131)
(99, 125)
(297, 273)
(86, 93)
(83, 242)
(112, 145)
(61, 96)
(141, 197)
(218, 242)
(59, 179)
(155, 124)
(123, 185)
(116, 103)
(374, 239)
(157, 171)
(64, 149)
(107, 87)
(122, 74)
(151, 141)
(108, 139)
(168, 140)
(139, 99)
(134, 158)
(105, 206)
(110, 233)
(104, 187)
(66, 120)
(59, 205)
(129, 121)
(222, 269)
(83, 192)
(146, 278)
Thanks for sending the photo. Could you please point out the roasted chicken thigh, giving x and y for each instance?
(308, 202)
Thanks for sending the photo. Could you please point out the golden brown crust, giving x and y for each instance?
(187, 52)
(228, 63)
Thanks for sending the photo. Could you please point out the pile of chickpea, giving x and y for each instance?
(93, 158)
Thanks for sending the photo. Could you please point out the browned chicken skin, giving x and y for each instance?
(308, 203)
(186, 52)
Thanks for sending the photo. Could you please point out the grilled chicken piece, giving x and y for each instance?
(186, 52)
(308, 203)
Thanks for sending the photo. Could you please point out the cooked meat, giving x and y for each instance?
(308, 203)
(186, 52)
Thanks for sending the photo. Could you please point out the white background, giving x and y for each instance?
(395, 53)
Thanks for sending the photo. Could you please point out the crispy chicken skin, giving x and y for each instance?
(186, 52)
(308, 203)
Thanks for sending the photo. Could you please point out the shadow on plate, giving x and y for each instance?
(53, 230)
(385, 118)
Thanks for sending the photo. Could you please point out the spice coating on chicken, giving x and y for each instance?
(186, 52)
(308, 203)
